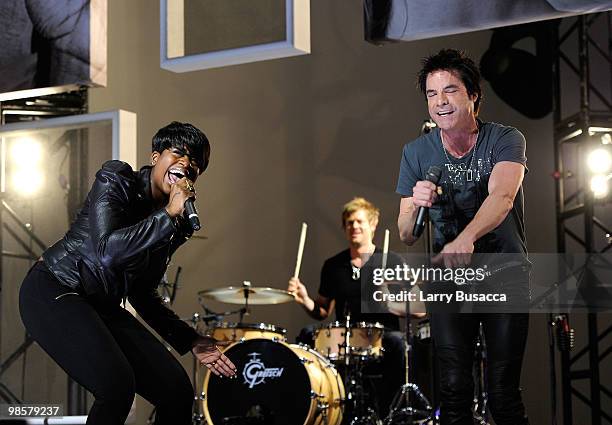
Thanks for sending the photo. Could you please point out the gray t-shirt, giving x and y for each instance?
(464, 184)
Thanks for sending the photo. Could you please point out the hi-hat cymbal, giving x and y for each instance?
(256, 295)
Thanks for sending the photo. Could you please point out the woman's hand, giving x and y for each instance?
(180, 191)
(206, 349)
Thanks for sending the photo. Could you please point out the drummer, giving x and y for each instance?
(340, 290)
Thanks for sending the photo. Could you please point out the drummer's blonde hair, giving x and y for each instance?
(359, 203)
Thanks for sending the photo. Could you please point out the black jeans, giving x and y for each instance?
(106, 350)
(454, 335)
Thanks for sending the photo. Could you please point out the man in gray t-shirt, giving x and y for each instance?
(464, 185)
(478, 210)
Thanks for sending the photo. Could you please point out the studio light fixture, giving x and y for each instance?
(599, 161)
(600, 185)
(519, 77)
(24, 165)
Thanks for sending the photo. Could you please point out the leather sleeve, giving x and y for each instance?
(114, 241)
(166, 323)
(185, 231)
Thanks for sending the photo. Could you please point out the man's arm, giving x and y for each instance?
(423, 195)
(406, 219)
(318, 309)
(504, 183)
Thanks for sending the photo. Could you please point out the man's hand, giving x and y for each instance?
(297, 288)
(457, 253)
(424, 193)
(206, 349)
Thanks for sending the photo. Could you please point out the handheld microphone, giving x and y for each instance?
(433, 175)
(191, 214)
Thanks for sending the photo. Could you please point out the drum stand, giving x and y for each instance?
(404, 408)
(356, 408)
(357, 411)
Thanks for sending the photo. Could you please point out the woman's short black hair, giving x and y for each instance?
(184, 136)
(456, 62)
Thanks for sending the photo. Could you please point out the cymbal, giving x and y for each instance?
(256, 295)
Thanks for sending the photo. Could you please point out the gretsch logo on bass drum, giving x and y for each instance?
(255, 372)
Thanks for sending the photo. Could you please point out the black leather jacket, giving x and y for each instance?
(119, 246)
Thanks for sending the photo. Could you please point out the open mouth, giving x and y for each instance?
(444, 113)
(175, 174)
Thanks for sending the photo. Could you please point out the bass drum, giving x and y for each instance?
(278, 384)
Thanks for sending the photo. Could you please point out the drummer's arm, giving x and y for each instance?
(318, 309)
(321, 308)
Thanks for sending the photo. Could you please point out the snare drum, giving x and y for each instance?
(233, 332)
(365, 340)
(277, 383)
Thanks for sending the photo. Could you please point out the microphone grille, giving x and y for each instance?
(433, 174)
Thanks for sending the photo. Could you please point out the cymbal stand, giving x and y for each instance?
(347, 347)
(168, 290)
(409, 406)
(212, 316)
(246, 288)
(347, 340)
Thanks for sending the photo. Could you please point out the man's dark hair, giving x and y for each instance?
(456, 62)
(184, 136)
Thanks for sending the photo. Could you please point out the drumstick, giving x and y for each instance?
(298, 262)
(385, 249)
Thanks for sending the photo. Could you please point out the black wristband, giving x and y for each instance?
(316, 311)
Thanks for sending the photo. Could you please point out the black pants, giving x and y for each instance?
(454, 336)
(106, 350)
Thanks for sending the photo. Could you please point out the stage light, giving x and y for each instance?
(26, 182)
(24, 166)
(599, 161)
(606, 139)
(26, 149)
(600, 186)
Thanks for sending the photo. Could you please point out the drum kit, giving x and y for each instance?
(283, 383)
